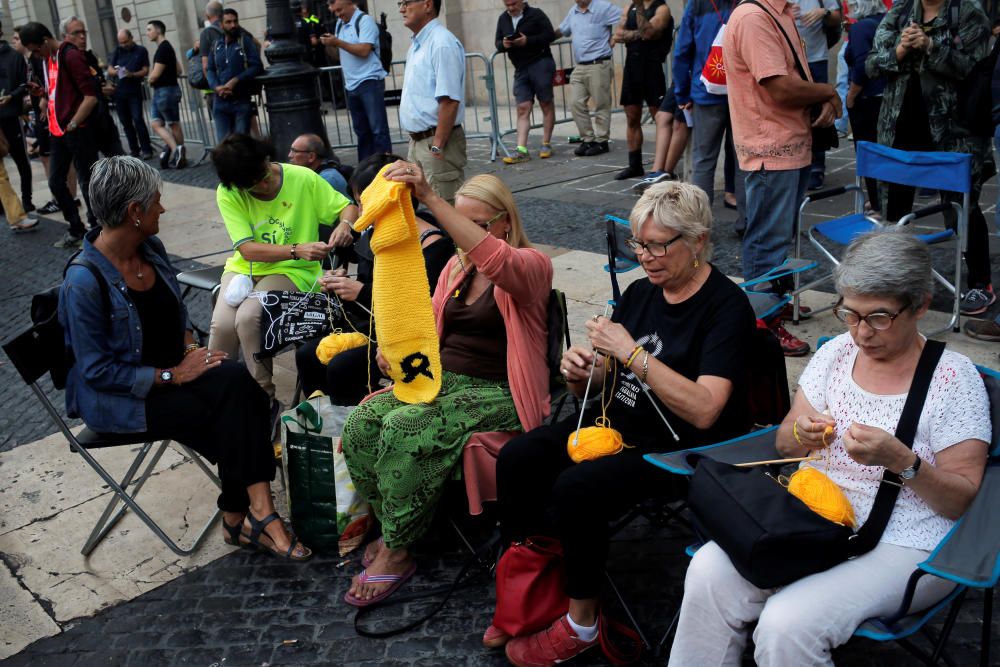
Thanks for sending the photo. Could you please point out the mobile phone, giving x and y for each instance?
(511, 37)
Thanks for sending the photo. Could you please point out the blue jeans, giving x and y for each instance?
(772, 204)
(231, 116)
(367, 106)
(129, 107)
(820, 74)
(842, 124)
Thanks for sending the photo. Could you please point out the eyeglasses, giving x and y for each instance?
(262, 179)
(300, 150)
(78, 32)
(404, 3)
(486, 224)
(654, 249)
(879, 320)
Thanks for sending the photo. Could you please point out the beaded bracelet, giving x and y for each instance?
(189, 348)
(631, 357)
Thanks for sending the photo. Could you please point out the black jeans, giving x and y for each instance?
(129, 108)
(224, 415)
(78, 148)
(11, 128)
(864, 126)
(345, 379)
(542, 492)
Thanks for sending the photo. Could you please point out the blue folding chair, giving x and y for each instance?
(765, 304)
(951, 172)
(969, 554)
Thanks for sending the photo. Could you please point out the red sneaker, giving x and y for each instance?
(494, 637)
(790, 345)
(557, 643)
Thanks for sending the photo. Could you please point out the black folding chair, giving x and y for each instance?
(32, 358)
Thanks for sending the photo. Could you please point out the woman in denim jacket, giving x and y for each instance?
(139, 370)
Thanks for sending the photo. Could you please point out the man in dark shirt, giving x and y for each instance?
(233, 64)
(166, 97)
(72, 99)
(525, 34)
(13, 88)
(129, 65)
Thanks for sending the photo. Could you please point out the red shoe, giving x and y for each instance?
(790, 345)
(494, 637)
(557, 643)
(805, 312)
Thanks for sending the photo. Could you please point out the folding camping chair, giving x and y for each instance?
(950, 172)
(969, 554)
(32, 357)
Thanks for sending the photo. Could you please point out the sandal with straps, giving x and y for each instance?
(257, 527)
(233, 533)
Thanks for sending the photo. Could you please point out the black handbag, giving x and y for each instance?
(772, 537)
(823, 138)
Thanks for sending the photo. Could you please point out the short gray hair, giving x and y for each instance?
(891, 264)
(116, 182)
(859, 9)
(64, 24)
(213, 9)
(680, 207)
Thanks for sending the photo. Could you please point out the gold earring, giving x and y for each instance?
(696, 263)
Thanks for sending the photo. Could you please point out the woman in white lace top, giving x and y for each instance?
(857, 383)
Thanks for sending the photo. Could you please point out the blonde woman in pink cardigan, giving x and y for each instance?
(490, 304)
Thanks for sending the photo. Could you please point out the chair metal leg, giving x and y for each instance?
(628, 612)
(984, 642)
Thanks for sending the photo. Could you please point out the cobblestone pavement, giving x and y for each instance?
(248, 609)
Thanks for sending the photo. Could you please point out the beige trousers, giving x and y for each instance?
(446, 173)
(592, 82)
(11, 204)
(235, 328)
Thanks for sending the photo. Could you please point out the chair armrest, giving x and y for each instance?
(830, 192)
(925, 211)
(754, 446)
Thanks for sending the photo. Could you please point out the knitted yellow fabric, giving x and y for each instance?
(333, 344)
(401, 301)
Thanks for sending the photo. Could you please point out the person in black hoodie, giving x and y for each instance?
(524, 34)
(13, 88)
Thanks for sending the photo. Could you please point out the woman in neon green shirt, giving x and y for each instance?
(272, 212)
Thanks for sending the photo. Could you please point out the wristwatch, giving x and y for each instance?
(167, 376)
(71, 125)
(906, 474)
(826, 14)
(436, 150)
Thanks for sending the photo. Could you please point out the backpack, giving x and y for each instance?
(45, 318)
(195, 74)
(975, 93)
(384, 44)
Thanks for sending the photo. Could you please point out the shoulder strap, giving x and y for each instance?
(885, 500)
(795, 54)
(429, 233)
(102, 284)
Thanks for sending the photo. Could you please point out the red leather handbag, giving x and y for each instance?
(531, 582)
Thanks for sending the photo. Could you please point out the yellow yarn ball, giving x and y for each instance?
(821, 495)
(337, 342)
(593, 443)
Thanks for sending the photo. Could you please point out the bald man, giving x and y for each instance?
(128, 66)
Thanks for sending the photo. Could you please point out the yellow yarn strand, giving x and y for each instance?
(821, 495)
(600, 440)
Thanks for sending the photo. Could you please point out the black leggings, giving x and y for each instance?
(224, 415)
(345, 379)
(542, 492)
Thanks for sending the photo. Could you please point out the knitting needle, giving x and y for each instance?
(657, 408)
(590, 378)
(800, 459)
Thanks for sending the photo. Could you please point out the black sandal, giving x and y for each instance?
(257, 529)
(233, 534)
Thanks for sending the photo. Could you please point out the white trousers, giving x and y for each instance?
(798, 624)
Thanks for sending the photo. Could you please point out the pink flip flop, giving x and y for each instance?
(397, 580)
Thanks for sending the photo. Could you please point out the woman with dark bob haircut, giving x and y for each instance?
(272, 212)
(138, 368)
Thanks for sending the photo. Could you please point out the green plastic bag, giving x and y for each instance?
(322, 499)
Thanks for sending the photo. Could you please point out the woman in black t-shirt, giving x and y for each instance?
(682, 335)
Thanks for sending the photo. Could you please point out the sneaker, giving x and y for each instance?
(494, 637)
(69, 241)
(582, 149)
(652, 179)
(546, 151)
(596, 148)
(25, 225)
(816, 179)
(556, 644)
(629, 172)
(179, 159)
(147, 154)
(983, 330)
(52, 206)
(790, 345)
(164, 158)
(517, 158)
(977, 300)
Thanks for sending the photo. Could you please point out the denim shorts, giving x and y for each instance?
(166, 105)
(534, 80)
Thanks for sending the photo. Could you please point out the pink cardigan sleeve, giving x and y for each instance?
(524, 273)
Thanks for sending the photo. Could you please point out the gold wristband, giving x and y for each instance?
(795, 433)
(645, 366)
(189, 348)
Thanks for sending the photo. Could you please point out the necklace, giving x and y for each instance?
(138, 272)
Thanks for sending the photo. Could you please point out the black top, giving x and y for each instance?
(475, 338)
(13, 80)
(653, 50)
(160, 319)
(133, 60)
(534, 25)
(707, 334)
(165, 54)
